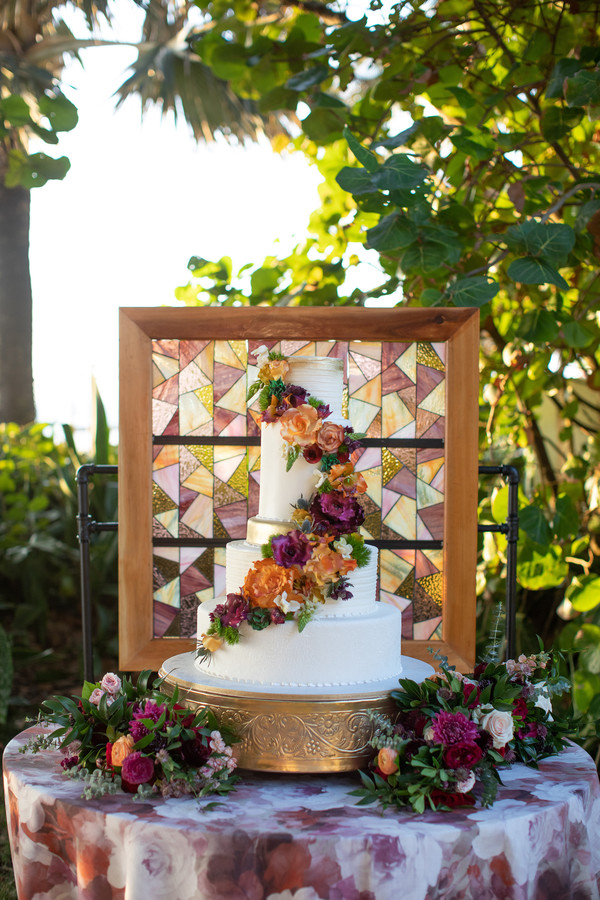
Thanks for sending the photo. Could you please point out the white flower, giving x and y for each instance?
(320, 477)
(111, 683)
(543, 701)
(217, 744)
(286, 605)
(463, 787)
(343, 548)
(500, 725)
(262, 355)
(428, 733)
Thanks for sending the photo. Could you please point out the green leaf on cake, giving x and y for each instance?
(305, 616)
(231, 635)
(293, 454)
(253, 389)
(267, 549)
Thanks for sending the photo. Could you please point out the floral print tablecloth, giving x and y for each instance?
(303, 837)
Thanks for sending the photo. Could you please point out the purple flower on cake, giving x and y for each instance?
(453, 728)
(111, 683)
(291, 549)
(340, 590)
(233, 612)
(277, 616)
(336, 513)
(137, 769)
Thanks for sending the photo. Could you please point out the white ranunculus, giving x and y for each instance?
(543, 701)
(262, 355)
(343, 548)
(286, 605)
(463, 787)
(500, 725)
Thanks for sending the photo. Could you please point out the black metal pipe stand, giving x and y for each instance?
(86, 527)
(511, 529)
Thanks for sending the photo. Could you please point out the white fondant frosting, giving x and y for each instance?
(348, 642)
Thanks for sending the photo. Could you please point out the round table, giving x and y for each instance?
(303, 837)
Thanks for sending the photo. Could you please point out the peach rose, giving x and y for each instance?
(330, 437)
(211, 642)
(325, 565)
(300, 425)
(387, 760)
(266, 580)
(121, 749)
(278, 368)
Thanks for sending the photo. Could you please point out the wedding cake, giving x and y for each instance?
(300, 609)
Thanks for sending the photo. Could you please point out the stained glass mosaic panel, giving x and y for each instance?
(204, 493)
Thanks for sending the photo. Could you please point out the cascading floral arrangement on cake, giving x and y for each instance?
(304, 559)
(309, 564)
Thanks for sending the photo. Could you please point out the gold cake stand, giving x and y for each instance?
(282, 732)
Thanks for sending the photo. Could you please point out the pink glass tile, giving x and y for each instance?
(234, 519)
(168, 480)
(166, 348)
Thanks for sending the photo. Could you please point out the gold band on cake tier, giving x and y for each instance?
(260, 530)
(291, 733)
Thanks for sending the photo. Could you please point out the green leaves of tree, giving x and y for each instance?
(547, 246)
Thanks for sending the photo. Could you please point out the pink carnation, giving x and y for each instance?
(111, 683)
(453, 728)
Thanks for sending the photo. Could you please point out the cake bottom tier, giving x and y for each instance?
(284, 731)
(330, 652)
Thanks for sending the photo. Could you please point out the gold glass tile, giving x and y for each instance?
(433, 584)
(390, 465)
(426, 356)
(203, 453)
(161, 502)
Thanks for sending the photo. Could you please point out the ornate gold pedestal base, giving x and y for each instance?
(286, 732)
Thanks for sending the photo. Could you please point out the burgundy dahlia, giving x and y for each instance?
(291, 549)
(453, 728)
(336, 512)
(233, 612)
(462, 756)
(195, 752)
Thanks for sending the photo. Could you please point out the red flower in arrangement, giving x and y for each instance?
(312, 454)
(462, 756)
(137, 769)
(471, 694)
(519, 709)
(451, 800)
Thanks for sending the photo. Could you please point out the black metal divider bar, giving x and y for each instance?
(254, 441)
(87, 526)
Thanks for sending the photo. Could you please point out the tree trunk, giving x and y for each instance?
(16, 376)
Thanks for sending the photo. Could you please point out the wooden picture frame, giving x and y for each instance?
(457, 328)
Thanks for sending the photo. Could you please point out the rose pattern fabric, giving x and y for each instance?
(303, 838)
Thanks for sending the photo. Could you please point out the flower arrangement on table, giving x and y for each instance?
(120, 736)
(453, 733)
(309, 565)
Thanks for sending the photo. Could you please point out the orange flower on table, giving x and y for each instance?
(342, 477)
(330, 437)
(121, 749)
(300, 425)
(387, 760)
(326, 565)
(266, 580)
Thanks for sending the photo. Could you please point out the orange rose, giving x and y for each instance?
(121, 749)
(326, 566)
(330, 437)
(278, 368)
(387, 760)
(300, 425)
(266, 580)
(211, 642)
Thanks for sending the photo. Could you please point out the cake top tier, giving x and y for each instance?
(322, 377)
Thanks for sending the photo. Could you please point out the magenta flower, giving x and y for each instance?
(136, 770)
(150, 710)
(291, 549)
(336, 512)
(453, 728)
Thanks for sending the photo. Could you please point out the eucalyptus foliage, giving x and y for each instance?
(458, 142)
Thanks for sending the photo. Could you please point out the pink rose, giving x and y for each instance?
(499, 724)
(111, 683)
(330, 437)
(137, 769)
(96, 696)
